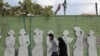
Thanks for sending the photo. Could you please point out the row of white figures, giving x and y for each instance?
(23, 41)
(78, 46)
(38, 39)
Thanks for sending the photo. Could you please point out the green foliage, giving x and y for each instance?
(37, 9)
(47, 11)
(27, 7)
(1, 5)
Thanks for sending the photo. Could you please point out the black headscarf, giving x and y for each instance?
(62, 47)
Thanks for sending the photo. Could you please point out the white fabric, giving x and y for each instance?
(78, 51)
(10, 42)
(38, 48)
(48, 45)
(91, 40)
(24, 43)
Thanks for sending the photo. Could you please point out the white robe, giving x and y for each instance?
(10, 49)
(79, 46)
(38, 48)
(48, 45)
(92, 46)
(24, 43)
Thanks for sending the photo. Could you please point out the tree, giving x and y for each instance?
(25, 8)
(6, 10)
(1, 5)
(48, 11)
(36, 9)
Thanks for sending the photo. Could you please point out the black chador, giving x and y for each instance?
(62, 47)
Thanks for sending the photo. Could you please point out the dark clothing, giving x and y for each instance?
(62, 47)
(54, 54)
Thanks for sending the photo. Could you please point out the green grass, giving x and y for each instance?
(57, 23)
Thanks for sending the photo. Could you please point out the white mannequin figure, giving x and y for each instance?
(79, 42)
(48, 43)
(67, 40)
(24, 43)
(91, 40)
(41, 41)
(38, 39)
(10, 42)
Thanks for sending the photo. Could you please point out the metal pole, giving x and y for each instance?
(24, 23)
(96, 6)
(30, 53)
(64, 11)
(64, 7)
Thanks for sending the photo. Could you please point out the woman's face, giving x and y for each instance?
(51, 38)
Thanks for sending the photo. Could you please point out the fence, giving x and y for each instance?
(56, 23)
(79, 9)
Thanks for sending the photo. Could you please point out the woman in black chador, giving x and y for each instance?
(62, 47)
